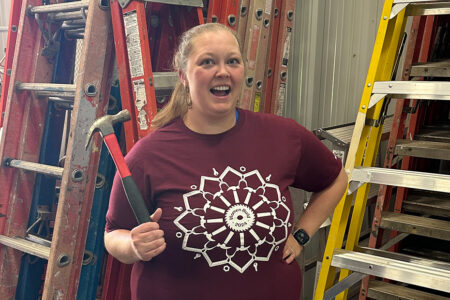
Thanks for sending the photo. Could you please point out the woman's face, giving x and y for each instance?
(214, 73)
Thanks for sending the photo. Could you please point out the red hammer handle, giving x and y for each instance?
(132, 191)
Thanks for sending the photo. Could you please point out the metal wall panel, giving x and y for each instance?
(4, 20)
(331, 51)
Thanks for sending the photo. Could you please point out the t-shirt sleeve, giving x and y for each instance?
(318, 167)
(120, 215)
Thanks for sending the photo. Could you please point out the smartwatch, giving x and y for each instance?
(301, 236)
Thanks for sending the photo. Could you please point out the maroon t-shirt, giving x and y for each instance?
(226, 207)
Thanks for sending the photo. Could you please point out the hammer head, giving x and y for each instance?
(104, 125)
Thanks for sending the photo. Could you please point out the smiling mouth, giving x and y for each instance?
(220, 91)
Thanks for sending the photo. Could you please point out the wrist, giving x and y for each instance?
(301, 236)
(135, 250)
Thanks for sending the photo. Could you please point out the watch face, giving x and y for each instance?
(301, 236)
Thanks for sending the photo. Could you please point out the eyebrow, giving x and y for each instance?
(213, 54)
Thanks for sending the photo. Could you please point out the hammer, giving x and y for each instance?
(104, 125)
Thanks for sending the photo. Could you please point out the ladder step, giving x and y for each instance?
(429, 90)
(434, 135)
(35, 167)
(424, 149)
(420, 7)
(395, 266)
(430, 204)
(165, 80)
(400, 178)
(438, 229)
(432, 69)
(388, 291)
(431, 8)
(58, 7)
(26, 246)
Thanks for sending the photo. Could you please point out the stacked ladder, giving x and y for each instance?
(145, 35)
(264, 29)
(30, 93)
(432, 276)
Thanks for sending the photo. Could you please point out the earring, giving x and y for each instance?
(188, 98)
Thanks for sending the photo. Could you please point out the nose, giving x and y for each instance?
(222, 71)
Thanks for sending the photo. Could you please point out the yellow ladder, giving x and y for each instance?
(361, 159)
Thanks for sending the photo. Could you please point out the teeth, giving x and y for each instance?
(221, 88)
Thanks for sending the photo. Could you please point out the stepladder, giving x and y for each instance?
(33, 91)
(398, 175)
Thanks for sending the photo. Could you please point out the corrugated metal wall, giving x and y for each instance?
(331, 51)
(4, 20)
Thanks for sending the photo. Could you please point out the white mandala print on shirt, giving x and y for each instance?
(234, 219)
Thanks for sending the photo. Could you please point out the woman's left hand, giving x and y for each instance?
(291, 249)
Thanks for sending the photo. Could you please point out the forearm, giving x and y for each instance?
(322, 204)
(118, 244)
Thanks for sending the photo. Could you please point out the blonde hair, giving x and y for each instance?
(178, 104)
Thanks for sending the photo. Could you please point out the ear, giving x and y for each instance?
(183, 78)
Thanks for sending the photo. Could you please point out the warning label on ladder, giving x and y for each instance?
(133, 44)
(140, 102)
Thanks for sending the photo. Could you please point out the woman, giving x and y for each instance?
(217, 179)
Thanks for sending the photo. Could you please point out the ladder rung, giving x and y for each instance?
(67, 16)
(430, 204)
(35, 167)
(424, 149)
(433, 135)
(384, 290)
(48, 89)
(73, 24)
(58, 7)
(401, 178)
(424, 9)
(193, 3)
(165, 80)
(429, 90)
(26, 246)
(74, 33)
(438, 229)
(432, 69)
(61, 100)
(395, 266)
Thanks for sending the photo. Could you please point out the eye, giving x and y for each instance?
(207, 61)
(234, 61)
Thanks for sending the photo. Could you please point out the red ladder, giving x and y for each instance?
(26, 104)
(145, 34)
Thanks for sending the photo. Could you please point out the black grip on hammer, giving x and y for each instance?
(135, 199)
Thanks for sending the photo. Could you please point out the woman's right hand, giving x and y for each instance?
(147, 239)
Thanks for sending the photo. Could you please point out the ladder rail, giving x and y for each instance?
(91, 95)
